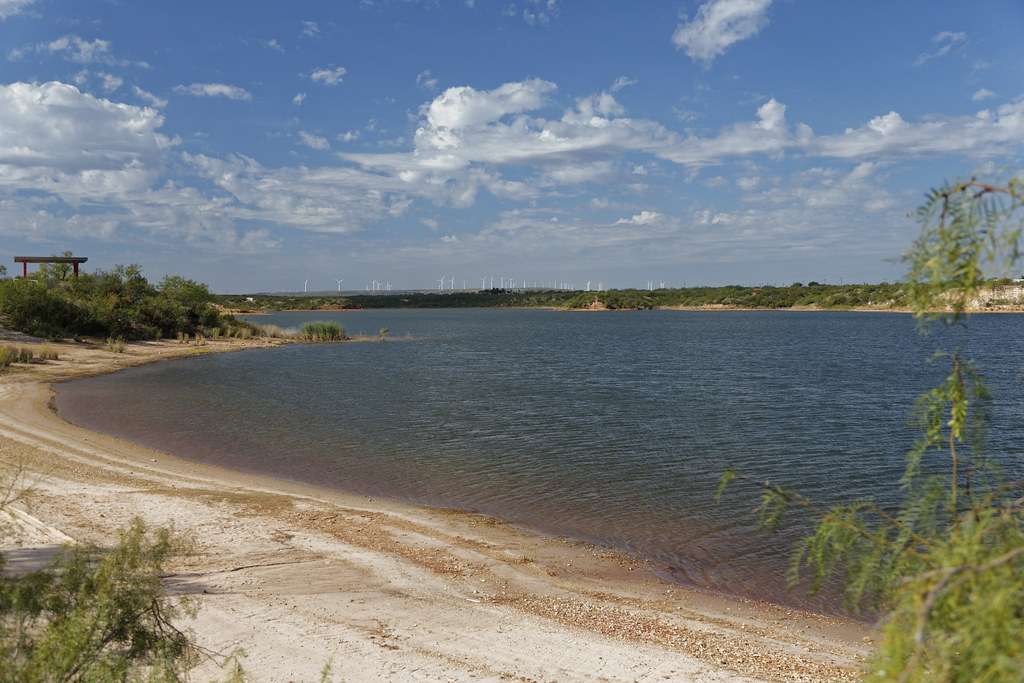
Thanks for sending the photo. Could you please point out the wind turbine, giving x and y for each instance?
(339, 283)
(440, 284)
(305, 286)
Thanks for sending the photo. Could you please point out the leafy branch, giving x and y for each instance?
(946, 567)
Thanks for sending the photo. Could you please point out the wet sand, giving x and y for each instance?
(299, 577)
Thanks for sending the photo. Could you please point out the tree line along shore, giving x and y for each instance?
(999, 295)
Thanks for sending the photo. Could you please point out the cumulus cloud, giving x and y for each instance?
(769, 134)
(985, 133)
(643, 218)
(78, 50)
(719, 24)
(56, 139)
(232, 92)
(329, 75)
(465, 107)
(982, 94)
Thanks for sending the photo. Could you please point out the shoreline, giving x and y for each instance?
(299, 577)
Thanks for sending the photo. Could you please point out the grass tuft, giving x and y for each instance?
(322, 331)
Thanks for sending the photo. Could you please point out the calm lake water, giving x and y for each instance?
(607, 427)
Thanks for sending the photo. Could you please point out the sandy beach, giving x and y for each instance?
(298, 577)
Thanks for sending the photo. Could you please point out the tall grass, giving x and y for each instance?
(321, 331)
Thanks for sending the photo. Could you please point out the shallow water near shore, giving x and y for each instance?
(608, 427)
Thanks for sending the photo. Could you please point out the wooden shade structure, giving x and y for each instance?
(25, 260)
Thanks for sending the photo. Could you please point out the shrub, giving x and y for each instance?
(8, 355)
(47, 352)
(96, 616)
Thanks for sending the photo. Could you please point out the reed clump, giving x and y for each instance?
(8, 355)
(322, 331)
(272, 331)
(47, 352)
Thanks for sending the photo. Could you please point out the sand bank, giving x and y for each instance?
(298, 577)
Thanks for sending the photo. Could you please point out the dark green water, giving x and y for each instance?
(608, 427)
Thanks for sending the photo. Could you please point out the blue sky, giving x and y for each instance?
(271, 146)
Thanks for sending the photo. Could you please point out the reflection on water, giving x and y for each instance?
(609, 427)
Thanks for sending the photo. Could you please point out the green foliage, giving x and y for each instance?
(796, 295)
(321, 331)
(971, 231)
(946, 567)
(115, 303)
(96, 616)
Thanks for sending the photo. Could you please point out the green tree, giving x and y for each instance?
(946, 567)
(55, 271)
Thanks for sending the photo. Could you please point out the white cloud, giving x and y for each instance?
(314, 141)
(329, 76)
(157, 102)
(622, 82)
(768, 135)
(110, 82)
(329, 200)
(299, 98)
(232, 92)
(465, 107)
(983, 134)
(643, 218)
(719, 24)
(982, 94)
(310, 29)
(11, 7)
(79, 50)
(426, 81)
(56, 139)
(946, 41)
(535, 12)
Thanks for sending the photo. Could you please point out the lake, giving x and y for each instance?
(609, 427)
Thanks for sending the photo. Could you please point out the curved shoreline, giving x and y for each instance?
(299, 576)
